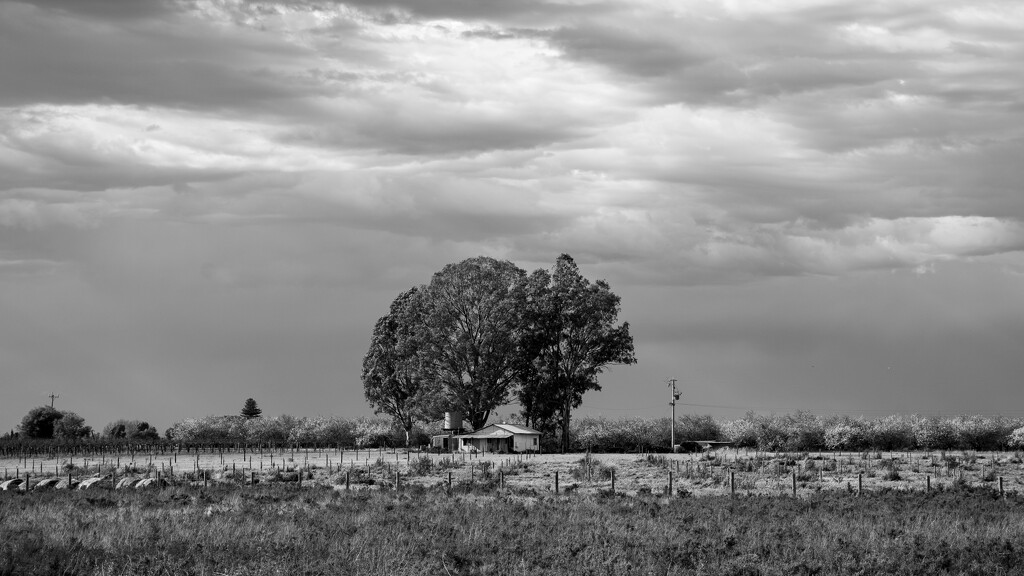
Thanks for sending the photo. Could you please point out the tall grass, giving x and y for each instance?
(272, 530)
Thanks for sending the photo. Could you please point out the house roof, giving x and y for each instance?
(499, 431)
(516, 429)
(482, 434)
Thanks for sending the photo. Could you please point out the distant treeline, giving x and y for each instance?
(805, 432)
(798, 432)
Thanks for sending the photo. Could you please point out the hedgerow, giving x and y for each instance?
(797, 432)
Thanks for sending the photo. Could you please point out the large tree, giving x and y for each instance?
(472, 327)
(570, 337)
(392, 375)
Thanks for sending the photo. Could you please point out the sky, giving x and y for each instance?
(803, 204)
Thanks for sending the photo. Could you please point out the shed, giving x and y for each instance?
(501, 438)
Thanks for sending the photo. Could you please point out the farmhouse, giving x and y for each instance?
(501, 438)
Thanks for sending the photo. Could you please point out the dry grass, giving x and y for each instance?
(696, 474)
(279, 529)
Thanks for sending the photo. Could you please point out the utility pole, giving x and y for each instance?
(53, 397)
(675, 396)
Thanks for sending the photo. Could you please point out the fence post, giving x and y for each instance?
(669, 482)
(398, 479)
(732, 484)
(928, 483)
(449, 481)
(26, 482)
(860, 482)
(794, 483)
(346, 480)
(613, 480)
(556, 481)
(1001, 494)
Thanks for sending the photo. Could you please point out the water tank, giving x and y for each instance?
(452, 420)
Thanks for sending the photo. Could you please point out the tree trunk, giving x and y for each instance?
(566, 412)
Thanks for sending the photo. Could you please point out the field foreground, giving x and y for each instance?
(276, 529)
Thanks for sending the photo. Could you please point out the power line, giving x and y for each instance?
(950, 413)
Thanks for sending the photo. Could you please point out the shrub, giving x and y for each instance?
(894, 432)
(208, 429)
(804, 432)
(71, 426)
(1016, 438)
(330, 430)
(742, 432)
(372, 432)
(844, 434)
(130, 429)
(934, 434)
(599, 434)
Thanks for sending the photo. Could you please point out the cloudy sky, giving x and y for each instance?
(804, 204)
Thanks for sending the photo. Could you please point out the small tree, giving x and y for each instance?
(39, 422)
(250, 410)
(130, 429)
(71, 426)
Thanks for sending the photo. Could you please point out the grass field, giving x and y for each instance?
(717, 473)
(279, 529)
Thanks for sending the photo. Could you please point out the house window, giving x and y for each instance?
(534, 441)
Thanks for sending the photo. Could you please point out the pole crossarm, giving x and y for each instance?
(675, 398)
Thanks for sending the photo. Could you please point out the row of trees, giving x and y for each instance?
(804, 431)
(46, 422)
(483, 332)
(285, 429)
(798, 432)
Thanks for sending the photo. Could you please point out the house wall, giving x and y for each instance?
(525, 442)
(496, 445)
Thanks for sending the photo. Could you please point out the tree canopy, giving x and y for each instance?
(473, 319)
(250, 409)
(483, 332)
(393, 381)
(38, 423)
(48, 422)
(570, 337)
(71, 427)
